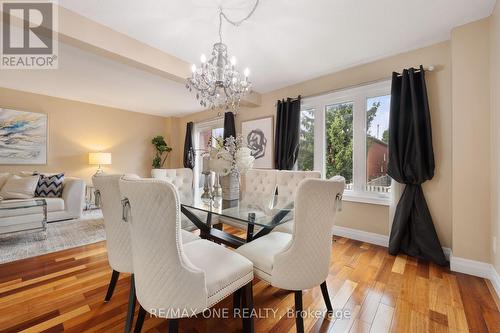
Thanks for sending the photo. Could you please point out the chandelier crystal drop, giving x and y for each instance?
(216, 82)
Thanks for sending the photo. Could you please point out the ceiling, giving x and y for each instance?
(287, 41)
(87, 77)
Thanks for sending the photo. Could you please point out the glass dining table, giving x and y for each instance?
(256, 211)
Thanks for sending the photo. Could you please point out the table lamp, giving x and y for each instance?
(99, 159)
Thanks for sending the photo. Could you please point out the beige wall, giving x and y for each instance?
(77, 128)
(374, 218)
(495, 125)
(471, 141)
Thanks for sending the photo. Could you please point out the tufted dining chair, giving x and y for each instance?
(287, 183)
(182, 179)
(175, 280)
(118, 242)
(256, 182)
(300, 260)
(260, 181)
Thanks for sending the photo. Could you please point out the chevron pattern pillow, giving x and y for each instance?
(50, 186)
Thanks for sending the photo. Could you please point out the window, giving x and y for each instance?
(202, 134)
(346, 133)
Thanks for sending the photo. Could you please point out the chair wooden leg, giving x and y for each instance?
(131, 305)
(173, 325)
(248, 324)
(237, 299)
(326, 297)
(299, 321)
(140, 320)
(112, 284)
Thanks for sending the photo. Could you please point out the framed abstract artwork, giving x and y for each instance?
(23, 137)
(258, 134)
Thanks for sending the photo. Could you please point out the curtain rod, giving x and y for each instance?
(430, 68)
(292, 99)
(426, 69)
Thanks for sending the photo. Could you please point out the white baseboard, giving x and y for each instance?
(476, 268)
(371, 238)
(471, 267)
(362, 236)
(495, 280)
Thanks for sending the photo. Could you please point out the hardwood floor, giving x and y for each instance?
(64, 291)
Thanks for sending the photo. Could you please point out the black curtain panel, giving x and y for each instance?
(229, 126)
(411, 162)
(286, 147)
(188, 147)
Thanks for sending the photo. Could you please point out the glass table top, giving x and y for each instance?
(253, 208)
(19, 204)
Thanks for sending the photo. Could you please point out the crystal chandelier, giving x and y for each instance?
(217, 82)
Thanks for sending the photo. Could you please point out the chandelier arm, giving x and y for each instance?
(213, 92)
(225, 92)
(205, 80)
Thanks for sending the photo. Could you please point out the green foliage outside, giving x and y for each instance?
(162, 150)
(385, 136)
(339, 139)
(306, 151)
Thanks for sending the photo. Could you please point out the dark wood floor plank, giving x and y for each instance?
(31, 322)
(471, 303)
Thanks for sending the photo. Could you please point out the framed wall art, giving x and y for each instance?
(23, 137)
(258, 134)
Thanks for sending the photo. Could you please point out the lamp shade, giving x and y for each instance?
(99, 158)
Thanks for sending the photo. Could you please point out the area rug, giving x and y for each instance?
(60, 236)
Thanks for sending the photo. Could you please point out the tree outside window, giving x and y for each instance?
(339, 141)
(305, 161)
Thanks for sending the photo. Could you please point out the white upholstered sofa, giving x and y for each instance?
(68, 206)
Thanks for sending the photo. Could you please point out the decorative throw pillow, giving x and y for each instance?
(19, 187)
(50, 186)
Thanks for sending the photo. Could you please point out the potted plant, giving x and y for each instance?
(161, 154)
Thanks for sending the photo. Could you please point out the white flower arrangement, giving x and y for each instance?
(230, 156)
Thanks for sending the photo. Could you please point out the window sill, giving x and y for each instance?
(372, 199)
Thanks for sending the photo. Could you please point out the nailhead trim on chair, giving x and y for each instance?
(239, 283)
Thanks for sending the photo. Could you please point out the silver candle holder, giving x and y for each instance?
(217, 191)
(206, 196)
